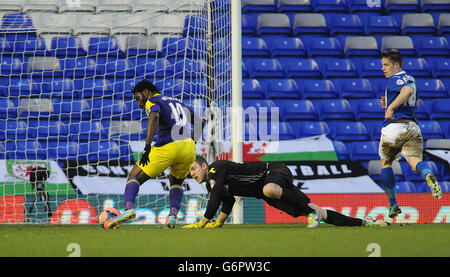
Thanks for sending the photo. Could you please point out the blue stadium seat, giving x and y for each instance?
(302, 68)
(402, 43)
(108, 150)
(76, 109)
(431, 88)
(67, 47)
(341, 150)
(319, 89)
(195, 68)
(441, 68)
(443, 27)
(423, 110)
(258, 108)
(369, 109)
(52, 130)
(78, 67)
(434, 46)
(273, 24)
(248, 25)
(19, 87)
(18, 22)
(87, 131)
(266, 68)
(350, 131)
(158, 68)
(401, 5)
(181, 46)
(310, 128)
(405, 186)
(330, 6)
(374, 170)
(417, 67)
(2, 150)
(440, 109)
(431, 130)
(337, 67)
(13, 129)
(362, 6)
(278, 131)
(251, 130)
(336, 109)
(310, 23)
(357, 88)
(299, 110)
(348, 24)
(383, 24)
(194, 24)
(434, 6)
(254, 46)
(325, 46)
(282, 88)
(418, 23)
(11, 65)
(294, 6)
(251, 88)
(361, 46)
(287, 47)
(410, 175)
(8, 108)
(364, 150)
(371, 68)
(104, 46)
(122, 68)
(252, 6)
(25, 150)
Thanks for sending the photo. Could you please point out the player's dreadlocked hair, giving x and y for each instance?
(143, 85)
(393, 55)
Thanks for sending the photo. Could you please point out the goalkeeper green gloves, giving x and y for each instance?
(196, 225)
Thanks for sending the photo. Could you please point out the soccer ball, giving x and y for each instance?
(106, 216)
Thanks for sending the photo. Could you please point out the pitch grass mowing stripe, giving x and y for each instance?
(250, 240)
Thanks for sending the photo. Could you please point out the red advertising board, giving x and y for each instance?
(75, 211)
(12, 209)
(416, 207)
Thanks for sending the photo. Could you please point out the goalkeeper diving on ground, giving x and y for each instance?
(272, 182)
(174, 148)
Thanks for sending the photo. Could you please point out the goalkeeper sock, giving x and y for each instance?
(131, 192)
(338, 219)
(423, 169)
(176, 197)
(388, 180)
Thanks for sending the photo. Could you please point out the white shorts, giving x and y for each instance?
(400, 139)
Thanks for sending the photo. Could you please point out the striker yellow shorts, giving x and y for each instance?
(177, 155)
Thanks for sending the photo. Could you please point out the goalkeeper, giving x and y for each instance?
(273, 182)
(174, 148)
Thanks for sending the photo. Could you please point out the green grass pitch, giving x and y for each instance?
(250, 240)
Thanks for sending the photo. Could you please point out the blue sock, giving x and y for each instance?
(388, 180)
(176, 197)
(131, 192)
(423, 169)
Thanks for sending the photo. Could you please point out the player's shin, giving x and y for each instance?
(176, 197)
(388, 180)
(131, 192)
(338, 219)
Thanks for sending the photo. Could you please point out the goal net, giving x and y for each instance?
(67, 110)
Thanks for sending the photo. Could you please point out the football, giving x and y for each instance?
(106, 216)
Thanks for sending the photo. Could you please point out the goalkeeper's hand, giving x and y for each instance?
(145, 159)
(196, 225)
(215, 224)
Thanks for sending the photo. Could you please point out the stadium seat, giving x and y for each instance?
(431, 88)
(104, 46)
(157, 68)
(310, 128)
(374, 170)
(294, 6)
(248, 25)
(434, 6)
(363, 6)
(266, 68)
(302, 68)
(402, 43)
(282, 88)
(371, 68)
(434, 46)
(19, 22)
(364, 150)
(337, 67)
(108, 150)
(401, 5)
(82, 6)
(325, 46)
(287, 47)
(259, 108)
(348, 24)
(298, 110)
(12, 6)
(410, 175)
(87, 131)
(417, 67)
(126, 130)
(405, 186)
(357, 88)
(418, 23)
(330, 6)
(141, 46)
(13, 129)
(44, 67)
(350, 131)
(423, 110)
(2, 150)
(67, 47)
(25, 150)
(341, 150)
(273, 24)
(35, 107)
(361, 46)
(78, 67)
(440, 110)
(310, 23)
(52, 130)
(76, 110)
(278, 131)
(431, 130)
(253, 6)
(382, 24)
(195, 24)
(443, 24)
(373, 127)
(251, 88)
(319, 89)
(254, 47)
(8, 108)
(336, 109)
(441, 68)
(11, 65)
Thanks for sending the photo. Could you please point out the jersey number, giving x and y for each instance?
(178, 114)
(412, 99)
